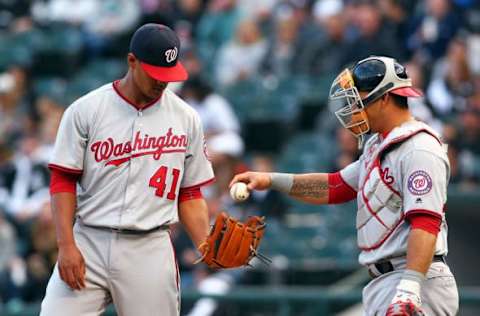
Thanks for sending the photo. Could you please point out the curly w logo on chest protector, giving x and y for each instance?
(142, 145)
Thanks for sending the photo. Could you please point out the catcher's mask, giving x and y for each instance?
(376, 75)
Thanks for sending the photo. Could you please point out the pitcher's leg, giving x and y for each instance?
(61, 300)
(144, 276)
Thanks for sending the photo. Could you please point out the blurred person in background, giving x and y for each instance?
(215, 111)
(451, 82)
(326, 55)
(101, 21)
(431, 31)
(420, 107)
(396, 12)
(371, 33)
(15, 15)
(282, 55)
(347, 149)
(216, 27)
(26, 277)
(15, 109)
(24, 182)
(464, 134)
(239, 59)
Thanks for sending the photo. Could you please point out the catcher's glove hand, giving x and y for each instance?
(232, 243)
(404, 309)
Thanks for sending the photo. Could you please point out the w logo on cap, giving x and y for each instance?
(171, 54)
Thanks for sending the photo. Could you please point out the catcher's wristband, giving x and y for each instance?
(282, 182)
(411, 282)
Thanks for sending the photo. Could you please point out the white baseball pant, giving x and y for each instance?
(138, 273)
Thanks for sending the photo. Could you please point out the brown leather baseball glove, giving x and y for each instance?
(232, 243)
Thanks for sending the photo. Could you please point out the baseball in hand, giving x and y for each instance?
(239, 192)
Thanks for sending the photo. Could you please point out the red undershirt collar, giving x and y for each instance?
(136, 106)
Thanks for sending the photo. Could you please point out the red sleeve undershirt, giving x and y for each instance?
(424, 221)
(191, 193)
(338, 190)
(62, 181)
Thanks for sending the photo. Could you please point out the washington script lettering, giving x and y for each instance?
(106, 149)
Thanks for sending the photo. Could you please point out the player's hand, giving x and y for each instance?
(71, 266)
(254, 180)
(405, 304)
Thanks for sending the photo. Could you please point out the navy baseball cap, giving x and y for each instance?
(157, 47)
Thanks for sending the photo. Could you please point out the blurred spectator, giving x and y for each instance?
(282, 57)
(15, 15)
(328, 54)
(101, 21)
(15, 109)
(216, 27)
(396, 13)
(418, 106)
(24, 181)
(215, 112)
(239, 59)
(372, 35)
(347, 149)
(431, 31)
(8, 244)
(452, 81)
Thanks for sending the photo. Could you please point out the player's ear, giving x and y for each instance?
(384, 100)
(132, 60)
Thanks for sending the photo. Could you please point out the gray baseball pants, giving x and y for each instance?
(439, 292)
(137, 273)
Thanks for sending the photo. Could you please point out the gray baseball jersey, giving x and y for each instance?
(407, 171)
(133, 162)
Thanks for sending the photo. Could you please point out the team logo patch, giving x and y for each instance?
(419, 182)
(171, 54)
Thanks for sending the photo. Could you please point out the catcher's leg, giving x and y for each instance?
(378, 294)
(91, 301)
(144, 279)
(439, 291)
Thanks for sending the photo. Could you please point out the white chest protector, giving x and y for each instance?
(379, 204)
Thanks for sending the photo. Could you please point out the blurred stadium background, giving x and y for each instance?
(260, 72)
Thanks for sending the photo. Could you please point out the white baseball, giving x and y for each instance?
(239, 192)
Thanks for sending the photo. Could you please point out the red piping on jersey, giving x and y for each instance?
(339, 191)
(119, 161)
(136, 106)
(64, 169)
(422, 211)
(378, 244)
(210, 181)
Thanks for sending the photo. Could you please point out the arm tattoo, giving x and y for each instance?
(309, 188)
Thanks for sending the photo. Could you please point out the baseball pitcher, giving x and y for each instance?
(137, 153)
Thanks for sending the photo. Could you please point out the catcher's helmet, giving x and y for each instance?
(376, 75)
